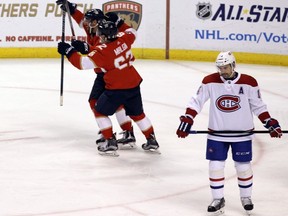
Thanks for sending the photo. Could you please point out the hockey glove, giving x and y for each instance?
(66, 49)
(81, 46)
(274, 128)
(184, 127)
(113, 17)
(72, 6)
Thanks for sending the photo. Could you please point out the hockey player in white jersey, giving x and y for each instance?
(234, 98)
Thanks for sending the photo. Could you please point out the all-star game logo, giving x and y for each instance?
(129, 11)
(203, 10)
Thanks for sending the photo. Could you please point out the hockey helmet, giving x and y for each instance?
(108, 29)
(226, 58)
(93, 14)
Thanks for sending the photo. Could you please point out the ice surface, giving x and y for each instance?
(49, 165)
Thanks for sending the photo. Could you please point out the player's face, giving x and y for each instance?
(226, 71)
(92, 25)
(102, 38)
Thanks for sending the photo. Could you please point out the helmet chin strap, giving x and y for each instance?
(92, 28)
(233, 70)
(232, 74)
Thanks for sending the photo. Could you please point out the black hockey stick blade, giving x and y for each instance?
(232, 132)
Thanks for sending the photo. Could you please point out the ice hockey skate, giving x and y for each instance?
(108, 148)
(247, 204)
(100, 138)
(128, 140)
(151, 145)
(216, 207)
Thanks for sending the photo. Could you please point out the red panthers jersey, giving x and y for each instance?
(115, 60)
(92, 39)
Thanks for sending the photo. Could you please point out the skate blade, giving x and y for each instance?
(127, 146)
(249, 212)
(109, 153)
(153, 151)
(216, 213)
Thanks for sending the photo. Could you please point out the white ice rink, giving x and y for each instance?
(49, 165)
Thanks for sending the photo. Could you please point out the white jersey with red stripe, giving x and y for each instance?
(232, 104)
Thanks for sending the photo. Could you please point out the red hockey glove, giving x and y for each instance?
(184, 127)
(274, 128)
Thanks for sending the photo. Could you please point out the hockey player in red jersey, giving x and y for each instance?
(122, 81)
(89, 22)
(234, 98)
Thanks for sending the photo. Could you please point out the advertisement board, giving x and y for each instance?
(258, 27)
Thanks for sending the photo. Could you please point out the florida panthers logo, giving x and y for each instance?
(129, 11)
(228, 103)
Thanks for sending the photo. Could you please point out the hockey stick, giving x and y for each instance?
(70, 20)
(62, 59)
(232, 132)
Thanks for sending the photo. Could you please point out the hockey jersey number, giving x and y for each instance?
(124, 61)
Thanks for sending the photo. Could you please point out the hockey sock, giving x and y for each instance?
(144, 124)
(216, 177)
(105, 125)
(245, 178)
(123, 120)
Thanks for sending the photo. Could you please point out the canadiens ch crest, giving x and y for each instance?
(203, 10)
(228, 103)
(129, 11)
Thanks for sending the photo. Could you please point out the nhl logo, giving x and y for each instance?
(203, 10)
(129, 11)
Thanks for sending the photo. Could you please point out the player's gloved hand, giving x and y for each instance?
(65, 49)
(72, 6)
(113, 17)
(274, 128)
(80, 46)
(184, 127)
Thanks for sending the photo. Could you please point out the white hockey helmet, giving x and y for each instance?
(226, 58)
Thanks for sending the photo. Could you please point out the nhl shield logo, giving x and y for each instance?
(129, 11)
(203, 10)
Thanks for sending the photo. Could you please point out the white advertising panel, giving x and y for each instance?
(242, 26)
(39, 23)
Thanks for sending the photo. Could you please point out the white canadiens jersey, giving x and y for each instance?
(232, 104)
